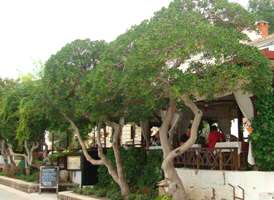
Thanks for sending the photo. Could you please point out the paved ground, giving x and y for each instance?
(7, 193)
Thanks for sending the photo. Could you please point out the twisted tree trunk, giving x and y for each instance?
(9, 165)
(175, 185)
(28, 156)
(145, 133)
(119, 164)
(4, 152)
(117, 173)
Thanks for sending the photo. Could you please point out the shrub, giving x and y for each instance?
(133, 163)
(115, 196)
(33, 177)
(139, 197)
(77, 190)
(100, 192)
(137, 163)
(113, 191)
(151, 171)
(143, 172)
(88, 191)
(164, 197)
(263, 136)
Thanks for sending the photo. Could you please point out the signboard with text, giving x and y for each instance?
(49, 177)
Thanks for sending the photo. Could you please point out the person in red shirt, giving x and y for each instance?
(214, 136)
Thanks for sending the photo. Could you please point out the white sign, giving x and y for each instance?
(73, 162)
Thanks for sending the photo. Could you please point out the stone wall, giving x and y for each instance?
(19, 185)
(72, 196)
(200, 184)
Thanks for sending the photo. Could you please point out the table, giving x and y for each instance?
(237, 145)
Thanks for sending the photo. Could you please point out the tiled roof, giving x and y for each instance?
(268, 54)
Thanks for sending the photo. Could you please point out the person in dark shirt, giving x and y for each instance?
(185, 136)
(214, 137)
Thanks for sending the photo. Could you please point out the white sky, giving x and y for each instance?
(32, 30)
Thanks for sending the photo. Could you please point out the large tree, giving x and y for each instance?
(188, 52)
(33, 121)
(77, 93)
(23, 122)
(7, 125)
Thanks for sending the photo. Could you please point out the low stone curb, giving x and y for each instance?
(19, 184)
(69, 195)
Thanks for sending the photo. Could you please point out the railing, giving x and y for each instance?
(203, 158)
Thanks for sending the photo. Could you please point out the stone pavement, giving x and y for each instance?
(7, 193)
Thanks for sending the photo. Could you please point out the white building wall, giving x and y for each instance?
(199, 184)
(76, 177)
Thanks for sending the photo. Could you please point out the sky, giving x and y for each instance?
(32, 30)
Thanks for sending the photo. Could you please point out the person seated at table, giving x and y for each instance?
(214, 136)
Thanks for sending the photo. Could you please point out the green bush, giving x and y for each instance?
(139, 197)
(133, 162)
(263, 136)
(113, 192)
(165, 197)
(100, 192)
(137, 163)
(115, 196)
(33, 177)
(143, 172)
(151, 171)
(77, 190)
(88, 191)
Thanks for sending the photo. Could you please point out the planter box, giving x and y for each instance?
(68, 195)
(19, 184)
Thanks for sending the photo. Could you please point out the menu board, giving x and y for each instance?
(49, 177)
(73, 162)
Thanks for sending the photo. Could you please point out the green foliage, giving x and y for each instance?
(100, 192)
(113, 193)
(263, 10)
(151, 170)
(88, 190)
(31, 113)
(165, 197)
(139, 197)
(22, 116)
(133, 162)
(263, 136)
(54, 156)
(115, 196)
(33, 177)
(136, 164)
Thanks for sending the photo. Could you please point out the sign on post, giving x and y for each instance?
(49, 178)
(74, 163)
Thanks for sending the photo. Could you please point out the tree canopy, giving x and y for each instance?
(263, 10)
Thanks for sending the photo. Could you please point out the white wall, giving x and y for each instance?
(76, 177)
(199, 184)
